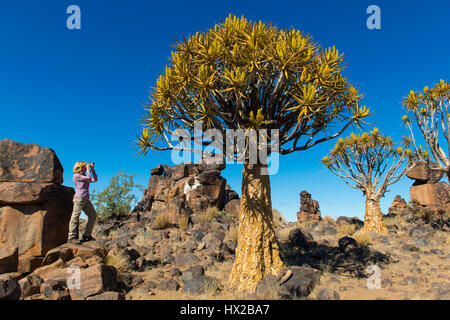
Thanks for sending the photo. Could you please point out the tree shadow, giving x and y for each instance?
(352, 261)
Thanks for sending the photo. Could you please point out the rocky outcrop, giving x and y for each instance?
(309, 208)
(423, 173)
(185, 189)
(431, 194)
(34, 206)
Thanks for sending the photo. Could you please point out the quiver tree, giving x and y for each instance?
(243, 75)
(370, 162)
(430, 112)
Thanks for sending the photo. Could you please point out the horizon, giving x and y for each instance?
(80, 92)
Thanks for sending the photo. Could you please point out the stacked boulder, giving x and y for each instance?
(183, 190)
(426, 189)
(35, 207)
(309, 208)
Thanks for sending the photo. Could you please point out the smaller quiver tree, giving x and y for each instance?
(430, 111)
(370, 162)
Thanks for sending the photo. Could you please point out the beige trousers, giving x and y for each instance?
(78, 205)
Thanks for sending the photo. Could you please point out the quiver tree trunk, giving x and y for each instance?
(257, 252)
(373, 218)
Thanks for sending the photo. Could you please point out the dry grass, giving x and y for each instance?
(233, 233)
(208, 215)
(118, 261)
(142, 238)
(183, 222)
(346, 229)
(161, 221)
(425, 214)
(362, 238)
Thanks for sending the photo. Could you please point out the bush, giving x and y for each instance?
(346, 229)
(183, 222)
(208, 215)
(116, 200)
(161, 221)
(362, 238)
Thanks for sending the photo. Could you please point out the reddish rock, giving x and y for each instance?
(28, 264)
(27, 193)
(95, 280)
(69, 251)
(30, 285)
(430, 194)
(37, 228)
(28, 162)
(9, 259)
(233, 207)
(309, 208)
(9, 289)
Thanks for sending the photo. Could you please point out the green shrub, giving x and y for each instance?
(117, 199)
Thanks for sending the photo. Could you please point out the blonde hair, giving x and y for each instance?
(78, 167)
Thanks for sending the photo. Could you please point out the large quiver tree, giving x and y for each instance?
(251, 75)
(370, 162)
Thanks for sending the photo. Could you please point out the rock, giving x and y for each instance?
(169, 285)
(174, 272)
(297, 238)
(347, 244)
(9, 288)
(55, 290)
(193, 272)
(30, 285)
(9, 259)
(327, 294)
(231, 195)
(158, 171)
(27, 193)
(423, 173)
(299, 285)
(69, 251)
(28, 264)
(212, 241)
(167, 259)
(233, 207)
(109, 295)
(95, 280)
(421, 231)
(309, 208)
(354, 220)
(37, 227)
(200, 285)
(186, 260)
(422, 242)
(28, 162)
(430, 194)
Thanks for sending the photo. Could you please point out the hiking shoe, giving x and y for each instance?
(88, 238)
(74, 241)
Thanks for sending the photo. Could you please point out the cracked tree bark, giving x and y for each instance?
(257, 253)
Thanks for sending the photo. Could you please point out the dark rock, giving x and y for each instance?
(167, 259)
(174, 272)
(9, 288)
(193, 272)
(168, 285)
(200, 285)
(109, 295)
(30, 285)
(55, 290)
(158, 171)
(327, 294)
(186, 260)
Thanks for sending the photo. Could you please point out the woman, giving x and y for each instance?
(82, 178)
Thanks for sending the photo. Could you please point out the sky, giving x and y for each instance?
(80, 92)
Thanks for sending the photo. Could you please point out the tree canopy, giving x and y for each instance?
(252, 75)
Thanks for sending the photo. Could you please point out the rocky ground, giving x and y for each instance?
(328, 259)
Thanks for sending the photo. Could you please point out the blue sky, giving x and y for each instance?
(80, 92)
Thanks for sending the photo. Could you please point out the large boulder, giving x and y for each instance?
(423, 173)
(431, 194)
(37, 228)
(28, 162)
(95, 280)
(35, 208)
